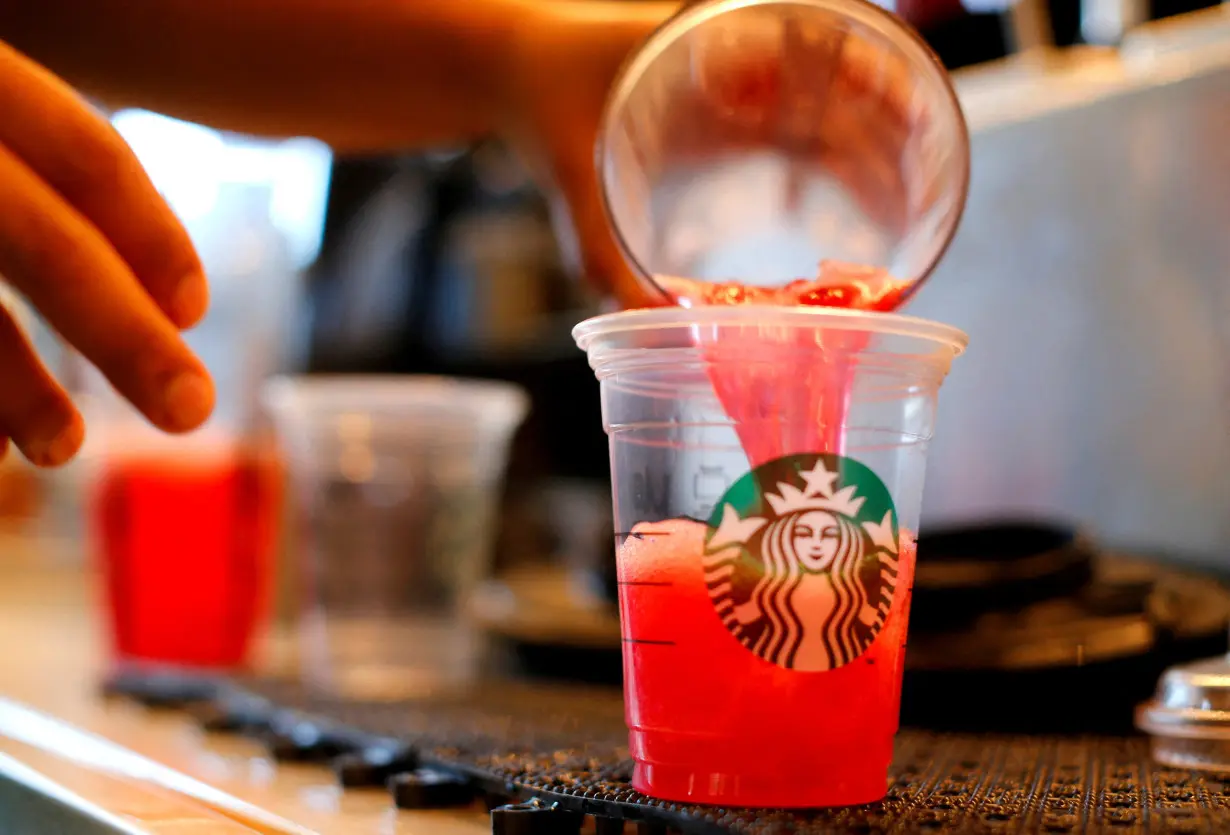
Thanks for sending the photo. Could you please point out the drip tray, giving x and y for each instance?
(545, 757)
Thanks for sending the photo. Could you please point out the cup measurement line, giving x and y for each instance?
(648, 642)
(652, 583)
(623, 535)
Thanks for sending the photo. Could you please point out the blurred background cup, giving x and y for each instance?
(182, 531)
(397, 481)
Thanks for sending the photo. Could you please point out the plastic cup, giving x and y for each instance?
(397, 481)
(749, 140)
(183, 530)
(767, 468)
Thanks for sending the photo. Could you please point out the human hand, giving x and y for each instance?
(564, 65)
(88, 241)
(20, 494)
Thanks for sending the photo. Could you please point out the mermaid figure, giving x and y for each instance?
(807, 588)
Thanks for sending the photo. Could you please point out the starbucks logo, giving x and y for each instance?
(801, 560)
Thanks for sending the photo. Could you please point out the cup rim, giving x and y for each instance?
(762, 315)
(319, 394)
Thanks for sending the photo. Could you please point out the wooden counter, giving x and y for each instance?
(140, 771)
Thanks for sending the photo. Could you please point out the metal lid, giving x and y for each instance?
(1192, 702)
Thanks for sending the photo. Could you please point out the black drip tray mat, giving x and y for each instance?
(544, 757)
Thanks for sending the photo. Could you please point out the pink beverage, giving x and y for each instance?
(724, 725)
(792, 601)
(185, 542)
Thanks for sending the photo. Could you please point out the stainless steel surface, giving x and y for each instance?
(30, 803)
(1092, 273)
(1185, 33)
(750, 139)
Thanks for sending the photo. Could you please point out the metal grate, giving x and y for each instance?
(561, 748)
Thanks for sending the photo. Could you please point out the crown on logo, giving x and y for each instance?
(791, 499)
(817, 494)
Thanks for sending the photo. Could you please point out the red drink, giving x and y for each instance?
(711, 722)
(764, 650)
(838, 285)
(185, 545)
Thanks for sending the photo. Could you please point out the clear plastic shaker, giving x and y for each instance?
(749, 140)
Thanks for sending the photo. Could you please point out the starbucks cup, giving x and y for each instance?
(767, 467)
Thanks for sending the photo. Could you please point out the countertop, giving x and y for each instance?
(136, 770)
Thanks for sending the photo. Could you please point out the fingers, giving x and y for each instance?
(62, 264)
(19, 492)
(602, 258)
(35, 411)
(567, 66)
(81, 157)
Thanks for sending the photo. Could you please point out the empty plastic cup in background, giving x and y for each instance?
(397, 481)
(767, 467)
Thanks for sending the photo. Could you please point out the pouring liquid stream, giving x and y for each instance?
(765, 377)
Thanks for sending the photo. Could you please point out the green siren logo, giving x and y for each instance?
(801, 560)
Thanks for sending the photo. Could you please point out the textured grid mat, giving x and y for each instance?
(545, 757)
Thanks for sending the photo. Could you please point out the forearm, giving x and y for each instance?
(358, 74)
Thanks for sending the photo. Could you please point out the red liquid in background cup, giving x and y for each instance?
(185, 548)
(715, 723)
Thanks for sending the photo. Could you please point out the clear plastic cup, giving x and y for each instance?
(183, 530)
(767, 467)
(397, 481)
(749, 140)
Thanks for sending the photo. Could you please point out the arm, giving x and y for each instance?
(359, 74)
(362, 75)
